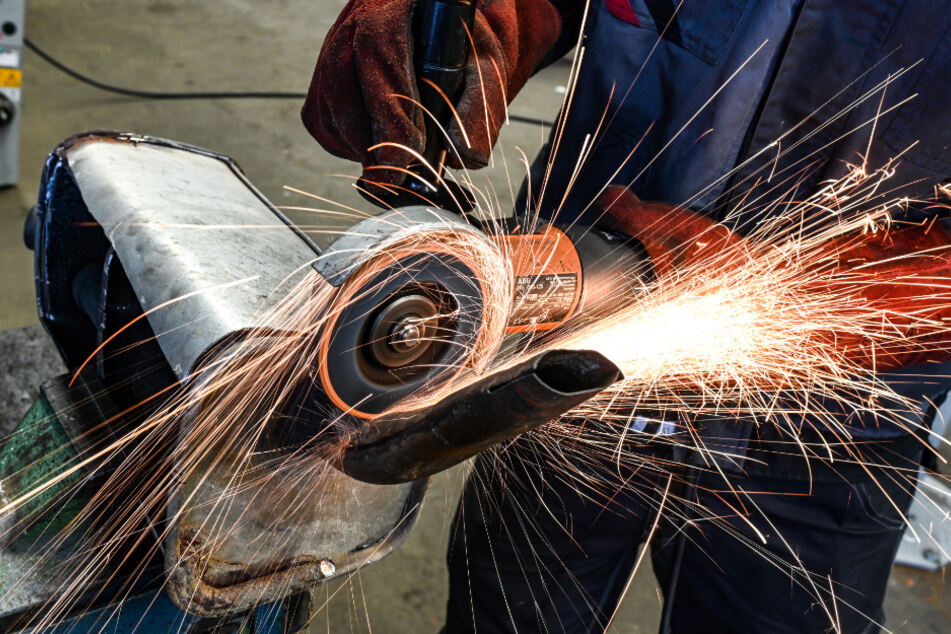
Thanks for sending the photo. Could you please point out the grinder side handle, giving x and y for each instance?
(441, 38)
(441, 31)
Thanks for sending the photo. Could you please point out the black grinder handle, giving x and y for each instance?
(441, 32)
(441, 38)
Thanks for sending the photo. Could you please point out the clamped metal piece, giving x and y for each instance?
(157, 225)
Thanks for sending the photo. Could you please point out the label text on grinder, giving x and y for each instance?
(543, 299)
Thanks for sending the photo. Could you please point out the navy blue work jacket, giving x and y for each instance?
(733, 82)
(731, 77)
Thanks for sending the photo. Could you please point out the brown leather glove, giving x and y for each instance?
(898, 281)
(366, 62)
(904, 278)
(675, 238)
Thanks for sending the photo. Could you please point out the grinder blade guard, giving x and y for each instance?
(175, 240)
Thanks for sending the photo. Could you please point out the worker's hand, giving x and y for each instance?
(676, 239)
(364, 81)
(902, 280)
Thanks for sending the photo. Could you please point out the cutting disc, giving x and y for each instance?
(410, 319)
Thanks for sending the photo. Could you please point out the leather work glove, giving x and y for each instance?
(675, 238)
(901, 277)
(365, 69)
(904, 277)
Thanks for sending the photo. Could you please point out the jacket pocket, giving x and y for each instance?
(702, 27)
(878, 502)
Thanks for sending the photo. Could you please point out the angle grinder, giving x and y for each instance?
(409, 317)
(404, 320)
(428, 292)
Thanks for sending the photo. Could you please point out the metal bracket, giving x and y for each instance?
(930, 517)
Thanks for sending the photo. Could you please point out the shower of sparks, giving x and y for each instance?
(770, 326)
(776, 313)
(753, 327)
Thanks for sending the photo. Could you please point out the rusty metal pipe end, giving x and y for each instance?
(397, 449)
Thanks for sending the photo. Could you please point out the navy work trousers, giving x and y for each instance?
(533, 550)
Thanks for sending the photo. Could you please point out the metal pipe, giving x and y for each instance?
(406, 447)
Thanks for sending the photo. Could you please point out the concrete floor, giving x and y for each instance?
(247, 44)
